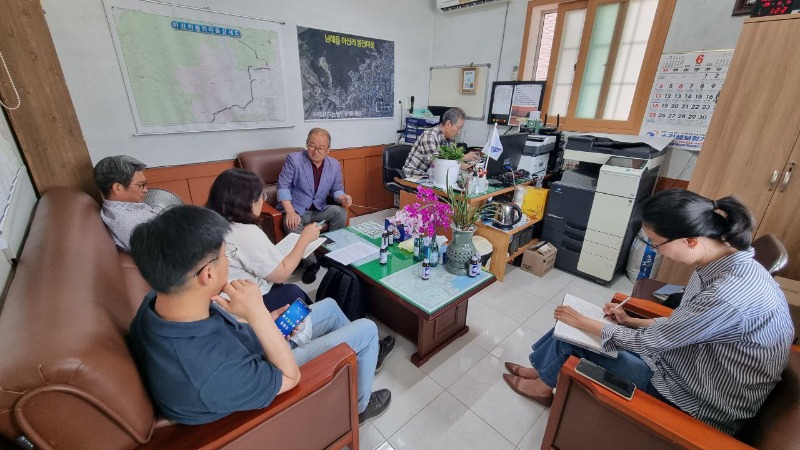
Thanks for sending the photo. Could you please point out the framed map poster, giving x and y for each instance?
(190, 69)
(345, 76)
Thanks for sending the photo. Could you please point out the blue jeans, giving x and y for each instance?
(549, 354)
(330, 327)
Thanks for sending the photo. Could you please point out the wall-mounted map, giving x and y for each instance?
(191, 70)
(345, 76)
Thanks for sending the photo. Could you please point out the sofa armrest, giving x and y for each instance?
(274, 219)
(583, 413)
(644, 308)
(311, 415)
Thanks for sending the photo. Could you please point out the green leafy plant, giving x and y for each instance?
(464, 216)
(450, 151)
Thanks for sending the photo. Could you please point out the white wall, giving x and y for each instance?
(83, 41)
(477, 36)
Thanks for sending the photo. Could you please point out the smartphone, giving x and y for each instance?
(609, 380)
(292, 317)
(328, 241)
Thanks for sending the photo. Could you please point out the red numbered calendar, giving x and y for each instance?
(684, 95)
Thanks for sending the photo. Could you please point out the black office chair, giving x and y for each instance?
(394, 157)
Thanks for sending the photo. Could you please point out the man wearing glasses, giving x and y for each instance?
(304, 184)
(122, 182)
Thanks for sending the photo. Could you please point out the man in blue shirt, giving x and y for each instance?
(189, 347)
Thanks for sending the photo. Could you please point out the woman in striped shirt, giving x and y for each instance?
(720, 353)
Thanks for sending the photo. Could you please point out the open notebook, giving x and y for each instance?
(287, 244)
(581, 338)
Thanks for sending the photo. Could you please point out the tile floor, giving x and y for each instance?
(458, 400)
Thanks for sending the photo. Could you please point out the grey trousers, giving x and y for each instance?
(335, 216)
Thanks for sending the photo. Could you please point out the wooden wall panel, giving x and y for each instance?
(377, 195)
(191, 182)
(45, 124)
(355, 180)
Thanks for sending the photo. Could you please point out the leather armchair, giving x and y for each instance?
(267, 164)
(586, 415)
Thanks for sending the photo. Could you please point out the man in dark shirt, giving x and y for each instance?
(186, 342)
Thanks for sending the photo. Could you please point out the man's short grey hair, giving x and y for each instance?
(314, 131)
(453, 115)
(116, 169)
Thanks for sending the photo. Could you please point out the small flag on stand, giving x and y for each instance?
(493, 148)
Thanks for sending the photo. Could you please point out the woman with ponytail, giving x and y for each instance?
(722, 350)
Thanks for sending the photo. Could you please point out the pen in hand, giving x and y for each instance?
(619, 305)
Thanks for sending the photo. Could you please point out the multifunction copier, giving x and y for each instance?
(590, 213)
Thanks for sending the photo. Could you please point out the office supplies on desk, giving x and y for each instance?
(578, 337)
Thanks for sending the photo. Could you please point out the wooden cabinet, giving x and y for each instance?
(362, 170)
(752, 147)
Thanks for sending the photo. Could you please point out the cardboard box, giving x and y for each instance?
(534, 202)
(539, 261)
(791, 289)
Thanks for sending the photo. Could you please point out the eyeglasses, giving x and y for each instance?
(140, 185)
(315, 148)
(230, 252)
(653, 246)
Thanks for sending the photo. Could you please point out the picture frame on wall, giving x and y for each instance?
(743, 7)
(469, 80)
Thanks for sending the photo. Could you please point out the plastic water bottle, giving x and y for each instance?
(434, 253)
(426, 269)
(474, 266)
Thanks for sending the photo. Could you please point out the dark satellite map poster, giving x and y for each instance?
(345, 76)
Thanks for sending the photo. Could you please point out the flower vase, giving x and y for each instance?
(459, 252)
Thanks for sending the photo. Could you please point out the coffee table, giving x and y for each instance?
(431, 313)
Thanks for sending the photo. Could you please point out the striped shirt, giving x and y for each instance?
(424, 151)
(122, 217)
(721, 352)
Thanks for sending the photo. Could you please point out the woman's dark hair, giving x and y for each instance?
(233, 194)
(677, 214)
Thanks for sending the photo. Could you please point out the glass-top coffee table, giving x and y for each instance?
(432, 313)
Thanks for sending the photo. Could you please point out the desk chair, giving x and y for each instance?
(394, 158)
(583, 413)
(770, 253)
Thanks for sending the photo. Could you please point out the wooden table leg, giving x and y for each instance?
(434, 335)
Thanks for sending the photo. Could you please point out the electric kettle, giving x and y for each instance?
(506, 215)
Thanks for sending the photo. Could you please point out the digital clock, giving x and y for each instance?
(773, 7)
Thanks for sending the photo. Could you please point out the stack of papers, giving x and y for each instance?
(354, 252)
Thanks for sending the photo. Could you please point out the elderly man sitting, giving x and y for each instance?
(123, 185)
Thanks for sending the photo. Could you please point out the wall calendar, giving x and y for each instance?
(684, 95)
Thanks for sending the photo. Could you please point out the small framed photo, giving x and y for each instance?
(743, 7)
(469, 78)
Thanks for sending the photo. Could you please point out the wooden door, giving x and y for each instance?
(783, 215)
(755, 126)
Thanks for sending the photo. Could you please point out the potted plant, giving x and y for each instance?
(446, 165)
(463, 218)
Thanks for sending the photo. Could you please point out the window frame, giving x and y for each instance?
(655, 47)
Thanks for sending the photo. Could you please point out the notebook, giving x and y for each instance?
(287, 244)
(578, 337)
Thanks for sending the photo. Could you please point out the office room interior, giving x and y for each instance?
(68, 103)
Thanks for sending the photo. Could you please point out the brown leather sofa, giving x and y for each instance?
(267, 164)
(67, 379)
(585, 415)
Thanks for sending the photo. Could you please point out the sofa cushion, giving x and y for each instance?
(267, 164)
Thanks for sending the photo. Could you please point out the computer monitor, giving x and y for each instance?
(513, 145)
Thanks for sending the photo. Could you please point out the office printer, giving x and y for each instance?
(535, 155)
(589, 216)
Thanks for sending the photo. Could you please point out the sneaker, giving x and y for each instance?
(378, 404)
(386, 346)
(310, 273)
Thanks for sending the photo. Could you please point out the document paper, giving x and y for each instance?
(353, 252)
(287, 244)
(578, 337)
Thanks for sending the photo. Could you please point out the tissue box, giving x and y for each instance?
(539, 261)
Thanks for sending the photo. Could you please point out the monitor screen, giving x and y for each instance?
(513, 145)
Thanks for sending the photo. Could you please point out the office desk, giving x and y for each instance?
(432, 317)
(479, 199)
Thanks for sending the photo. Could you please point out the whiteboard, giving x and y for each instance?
(684, 96)
(445, 89)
